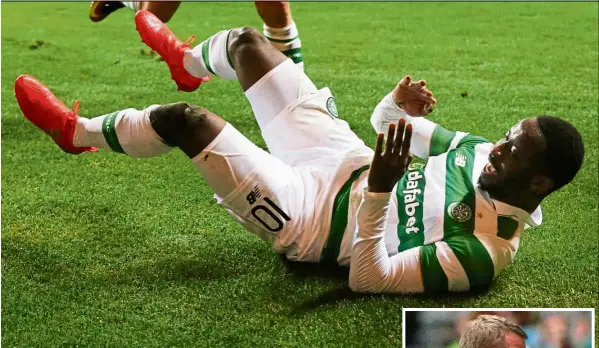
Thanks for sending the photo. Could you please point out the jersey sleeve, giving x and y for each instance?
(371, 269)
(456, 264)
(428, 138)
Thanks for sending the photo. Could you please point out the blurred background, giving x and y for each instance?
(545, 329)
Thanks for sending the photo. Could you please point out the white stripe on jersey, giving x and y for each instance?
(481, 158)
(501, 251)
(456, 140)
(457, 280)
(434, 196)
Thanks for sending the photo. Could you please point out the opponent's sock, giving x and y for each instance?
(133, 5)
(287, 41)
(127, 131)
(211, 57)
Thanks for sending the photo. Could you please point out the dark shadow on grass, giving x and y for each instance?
(172, 270)
(332, 298)
(305, 270)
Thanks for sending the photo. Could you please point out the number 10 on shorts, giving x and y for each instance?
(264, 214)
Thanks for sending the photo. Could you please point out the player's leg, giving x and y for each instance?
(164, 10)
(223, 155)
(280, 29)
(272, 84)
(256, 187)
(214, 56)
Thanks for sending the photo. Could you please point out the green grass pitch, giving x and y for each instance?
(106, 250)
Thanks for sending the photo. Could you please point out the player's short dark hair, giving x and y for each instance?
(564, 153)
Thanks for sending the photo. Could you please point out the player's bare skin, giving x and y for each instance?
(389, 166)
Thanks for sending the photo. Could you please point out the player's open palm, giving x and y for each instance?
(389, 166)
(414, 97)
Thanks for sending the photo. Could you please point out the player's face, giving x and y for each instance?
(515, 160)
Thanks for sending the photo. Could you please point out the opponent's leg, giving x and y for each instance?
(164, 10)
(280, 29)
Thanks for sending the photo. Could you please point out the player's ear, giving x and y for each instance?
(541, 185)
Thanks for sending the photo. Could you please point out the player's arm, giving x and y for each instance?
(371, 269)
(459, 264)
(411, 100)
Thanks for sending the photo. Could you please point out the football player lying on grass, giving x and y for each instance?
(321, 195)
(279, 27)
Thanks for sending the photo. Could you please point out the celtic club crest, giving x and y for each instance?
(460, 212)
(332, 107)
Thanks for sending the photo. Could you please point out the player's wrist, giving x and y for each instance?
(397, 100)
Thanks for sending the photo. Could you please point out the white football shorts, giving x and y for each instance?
(286, 196)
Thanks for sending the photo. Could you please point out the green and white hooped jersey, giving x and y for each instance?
(465, 237)
(439, 208)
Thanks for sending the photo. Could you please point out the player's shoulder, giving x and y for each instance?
(469, 140)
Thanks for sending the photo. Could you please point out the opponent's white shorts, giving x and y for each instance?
(285, 196)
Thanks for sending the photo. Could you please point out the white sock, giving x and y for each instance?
(287, 41)
(133, 5)
(127, 131)
(211, 57)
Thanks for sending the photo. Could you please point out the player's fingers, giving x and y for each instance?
(419, 85)
(405, 146)
(405, 82)
(427, 97)
(429, 108)
(399, 137)
(390, 137)
(379, 145)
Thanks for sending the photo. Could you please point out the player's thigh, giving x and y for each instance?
(299, 123)
(256, 186)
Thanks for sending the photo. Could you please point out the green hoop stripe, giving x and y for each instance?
(281, 40)
(440, 140)
(205, 53)
(227, 50)
(295, 54)
(471, 141)
(474, 258)
(110, 132)
(339, 218)
(434, 278)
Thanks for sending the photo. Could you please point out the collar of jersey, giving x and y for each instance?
(504, 209)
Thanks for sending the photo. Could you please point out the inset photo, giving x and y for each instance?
(498, 328)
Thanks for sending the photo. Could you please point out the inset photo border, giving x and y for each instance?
(482, 327)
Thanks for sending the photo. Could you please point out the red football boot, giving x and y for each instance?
(43, 109)
(158, 36)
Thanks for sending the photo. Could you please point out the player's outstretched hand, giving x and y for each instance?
(414, 97)
(389, 166)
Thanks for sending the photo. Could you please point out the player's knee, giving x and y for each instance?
(245, 39)
(172, 122)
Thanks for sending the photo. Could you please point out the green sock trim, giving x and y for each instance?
(227, 51)
(110, 132)
(205, 52)
(281, 40)
(295, 54)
